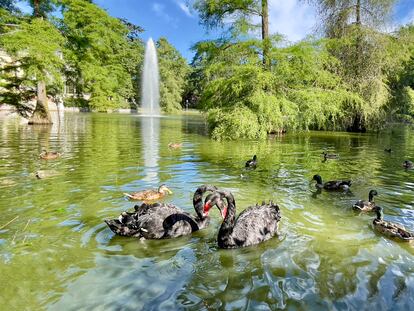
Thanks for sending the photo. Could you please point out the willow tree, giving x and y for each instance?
(35, 46)
(215, 13)
(354, 27)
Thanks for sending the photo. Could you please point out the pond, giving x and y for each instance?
(58, 254)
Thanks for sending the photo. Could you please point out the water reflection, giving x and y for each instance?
(150, 134)
(59, 254)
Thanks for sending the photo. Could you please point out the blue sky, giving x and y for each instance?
(174, 20)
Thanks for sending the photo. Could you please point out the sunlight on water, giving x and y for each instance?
(59, 255)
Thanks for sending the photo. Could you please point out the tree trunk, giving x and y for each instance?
(41, 113)
(358, 12)
(36, 8)
(359, 36)
(265, 34)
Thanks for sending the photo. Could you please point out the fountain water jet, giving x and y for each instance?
(150, 81)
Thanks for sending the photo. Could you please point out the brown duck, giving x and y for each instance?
(175, 145)
(149, 195)
(49, 155)
(391, 229)
(366, 206)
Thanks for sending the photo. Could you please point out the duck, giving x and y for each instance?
(49, 155)
(330, 155)
(256, 224)
(332, 184)
(162, 220)
(175, 145)
(390, 229)
(389, 150)
(408, 164)
(150, 194)
(366, 206)
(252, 162)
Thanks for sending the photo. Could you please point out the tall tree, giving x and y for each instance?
(214, 13)
(173, 75)
(35, 45)
(354, 27)
(103, 54)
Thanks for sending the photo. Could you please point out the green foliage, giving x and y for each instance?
(173, 75)
(301, 92)
(33, 59)
(102, 59)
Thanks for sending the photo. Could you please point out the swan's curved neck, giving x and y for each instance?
(169, 222)
(227, 226)
(198, 202)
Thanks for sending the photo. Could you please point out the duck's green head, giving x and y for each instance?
(379, 211)
(371, 194)
(318, 179)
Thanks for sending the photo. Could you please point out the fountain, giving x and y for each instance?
(150, 81)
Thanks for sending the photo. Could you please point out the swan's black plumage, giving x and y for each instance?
(161, 220)
(254, 225)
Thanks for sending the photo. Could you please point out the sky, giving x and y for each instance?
(174, 20)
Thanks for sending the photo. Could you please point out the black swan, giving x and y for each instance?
(254, 225)
(252, 162)
(161, 220)
(332, 185)
(366, 206)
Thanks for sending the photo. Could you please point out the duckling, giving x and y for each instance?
(49, 155)
(332, 185)
(408, 164)
(149, 195)
(366, 206)
(389, 150)
(252, 162)
(390, 229)
(175, 145)
(330, 155)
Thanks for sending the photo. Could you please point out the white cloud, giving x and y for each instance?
(184, 8)
(293, 18)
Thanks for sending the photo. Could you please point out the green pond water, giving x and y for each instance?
(59, 255)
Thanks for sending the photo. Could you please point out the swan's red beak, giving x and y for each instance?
(223, 212)
(206, 209)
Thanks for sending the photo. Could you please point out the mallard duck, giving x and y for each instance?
(252, 162)
(366, 206)
(175, 145)
(389, 150)
(161, 220)
(408, 164)
(254, 225)
(390, 229)
(332, 184)
(49, 155)
(149, 195)
(330, 155)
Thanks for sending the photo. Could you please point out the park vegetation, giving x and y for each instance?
(352, 75)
